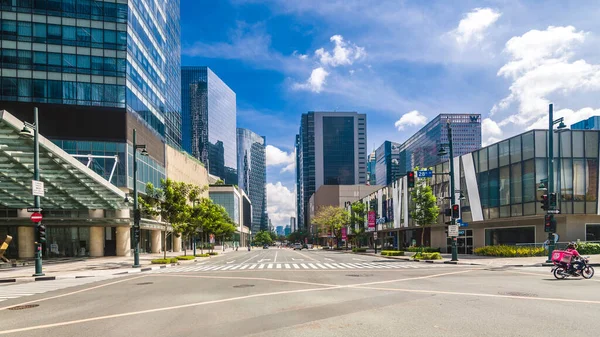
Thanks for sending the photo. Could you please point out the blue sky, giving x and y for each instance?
(401, 62)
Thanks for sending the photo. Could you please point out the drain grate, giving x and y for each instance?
(144, 283)
(359, 275)
(517, 293)
(23, 307)
(244, 286)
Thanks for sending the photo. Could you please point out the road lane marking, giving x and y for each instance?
(253, 266)
(303, 266)
(228, 262)
(278, 266)
(305, 256)
(262, 266)
(320, 266)
(355, 259)
(327, 259)
(270, 266)
(419, 277)
(236, 267)
(295, 266)
(331, 266)
(275, 257)
(245, 266)
(297, 259)
(287, 266)
(312, 266)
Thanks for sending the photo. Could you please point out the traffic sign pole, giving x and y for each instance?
(36, 198)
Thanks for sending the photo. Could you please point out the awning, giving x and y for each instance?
(68, 183)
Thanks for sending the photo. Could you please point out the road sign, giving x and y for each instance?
(375, 235)
(463, 224)
(34, 209)
(37, 188)
(36, 217)
(424, 174)
(453, 230)
(554, 211)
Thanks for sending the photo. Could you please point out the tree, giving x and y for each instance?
(357, 217)
(424, 210)
(263, 238)
(331, 219)
(219, 182)
(208, 217)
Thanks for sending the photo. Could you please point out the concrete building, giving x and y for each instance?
(293, 225)
(252, 174)
(500, 188)
(331, 150)
(238, 206)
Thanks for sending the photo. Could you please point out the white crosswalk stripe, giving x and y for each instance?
(302, 266)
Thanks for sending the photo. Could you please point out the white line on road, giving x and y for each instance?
(297, 259)
(270, 266)
(278, 266)
(303, 266)
(275, 257)
(287, 266)
(327, 259)
(262, 266)
(305, 256)
(228, 262)
(355, 259)
(312, 266)
(245, 266)
(295, 266)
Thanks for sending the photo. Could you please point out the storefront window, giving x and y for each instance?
(592, 232)
(494, 199)
(591, 144)
(67, 241)
(483, 189)
(509, 236)
(529, 187)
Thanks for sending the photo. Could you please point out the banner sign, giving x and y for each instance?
(344, 233)
(372, 219)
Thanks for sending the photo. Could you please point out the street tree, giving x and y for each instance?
(263, 238)
(331, 219)
(424, 210)
(357, 221)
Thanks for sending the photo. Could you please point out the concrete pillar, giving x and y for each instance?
(123, 241)
(176, 243)
(26, 241)
(96, 241)
(156, 236)
(122, 213)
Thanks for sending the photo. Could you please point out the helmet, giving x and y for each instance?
(572, 245)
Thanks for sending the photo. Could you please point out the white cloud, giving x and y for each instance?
(412, 118)
(541, 69)
(474, 25)
(569, 115)
(277, 157)
(300, 55)
(281, 203)
(315, 82)
(490, 132)
(344, 53)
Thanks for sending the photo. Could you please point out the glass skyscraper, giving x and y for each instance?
(209, 121)
(387, 163)
(252, 174)
(96, 70)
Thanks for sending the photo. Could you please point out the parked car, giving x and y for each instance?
(265, 246)
(297, 246)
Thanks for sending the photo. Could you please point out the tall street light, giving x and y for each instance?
(136, 211)
(551, 206)
(26, 133)
(442, 152)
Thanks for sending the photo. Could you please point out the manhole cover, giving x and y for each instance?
(23, 307)
(517, 293)
(144, 283)
(359, 275)
(244, 286)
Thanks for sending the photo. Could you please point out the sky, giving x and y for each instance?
(400, 62)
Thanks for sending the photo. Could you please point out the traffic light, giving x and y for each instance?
(455, 211)
(549, 224)
(552, 199)
(544, 202)
(411, 179)
(41, 229)
(448, 212)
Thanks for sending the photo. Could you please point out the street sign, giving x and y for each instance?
(453, 230)
(463, 224)
(375, 235)
(424, 174)
(37, 188)
(34, 209)
(212, 238)
(36, 217)
(554, 211)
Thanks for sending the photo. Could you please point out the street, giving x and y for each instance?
(343, 295)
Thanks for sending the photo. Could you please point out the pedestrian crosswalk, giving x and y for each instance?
(295, 266)
(10, 291)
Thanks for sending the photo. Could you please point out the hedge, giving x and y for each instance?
(423, 249)
(213, 253)
(202, 255)
(392, 253)
(427, 256)
(588, 248)
(164, 261)
(186, 257)
(359, 250)
(510, 251)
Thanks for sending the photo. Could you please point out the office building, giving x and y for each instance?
(371, 168)
(592, 123)
(279, 231)
(252, 174)
(208, 126)
(238, 207)
(331, 150)
(387, 163)
(293, 225)
(287, 230)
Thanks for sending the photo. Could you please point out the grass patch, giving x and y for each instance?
(186, 257)
(359, 250)
(423, 249)
(164, 261)
(427, 256)
(510, 251)
(213, 253)
(392, 253)
(203, 255)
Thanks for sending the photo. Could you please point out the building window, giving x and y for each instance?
(509, 236)
(493, 156)
(504, 185)
(541, 144)
(516, 184)
(591, 144)
(592, 232)
(528, 145)
(529, 187)
(504, 153)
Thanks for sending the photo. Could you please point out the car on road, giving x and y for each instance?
(265, 246)
(297, 246)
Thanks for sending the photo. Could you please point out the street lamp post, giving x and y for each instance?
(136, 210)
(25, 132)
(452, 188)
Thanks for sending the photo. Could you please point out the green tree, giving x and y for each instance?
(263, 238)
(357, 219)
(331, 219)
(219, 182)
(424, 210)
(208, 218)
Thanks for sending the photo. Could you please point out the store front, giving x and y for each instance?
(509, 235)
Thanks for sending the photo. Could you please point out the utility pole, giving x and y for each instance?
(452, 190)
(136, 211)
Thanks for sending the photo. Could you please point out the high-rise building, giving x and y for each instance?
(279, 230)
(371, 169)
(293, 225)
(252, 174)
(208, 126)
(421, 149)
(331, 150)
(592, 123)
(97, 70)
(387, 165)
(287, 230)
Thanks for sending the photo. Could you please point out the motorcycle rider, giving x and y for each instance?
(576, 266)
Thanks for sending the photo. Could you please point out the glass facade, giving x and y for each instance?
(338, 151)
(592, 123)
(371, 169)
(209, 121)
(252, 174)
(229, 200)
(387, 167)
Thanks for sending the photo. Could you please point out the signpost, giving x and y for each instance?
(37, 188)
(36, 217)
(34, 209)
(375, 235)
(424, 174)
(553, 211)
(453, 230)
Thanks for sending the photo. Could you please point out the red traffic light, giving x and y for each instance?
(411, 178)
(455, 211)
(411, 174)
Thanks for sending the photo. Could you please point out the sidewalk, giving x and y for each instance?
(90, 267)
(467, 259)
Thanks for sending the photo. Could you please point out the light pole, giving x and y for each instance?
(452, 189)
(551, 205)
(136, 211)
(26, 133)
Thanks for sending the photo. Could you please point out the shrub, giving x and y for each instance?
(203, 255)
(588, 248)
(424, 249)
(213, 253)
(359, 250)
(164, 261)
(427, 256)
(392, 253)
(509, 251)
(186, 257)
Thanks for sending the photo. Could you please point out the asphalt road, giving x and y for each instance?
(443, 300)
